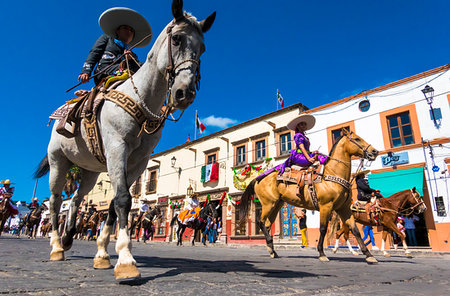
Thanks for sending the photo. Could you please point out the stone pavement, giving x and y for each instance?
(170, 270)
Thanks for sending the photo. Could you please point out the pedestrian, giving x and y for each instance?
(303, 228)
(213, 231)
(206, 231)
(397, 241)
(368, 233)
(219, 228)
(411, 229)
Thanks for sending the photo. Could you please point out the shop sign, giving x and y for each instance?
(395, 159)
(162, 200)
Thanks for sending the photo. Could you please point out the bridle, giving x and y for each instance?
(365, 150)
(410, 210)
(170, 74)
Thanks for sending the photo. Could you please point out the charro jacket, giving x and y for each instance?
(102, 54)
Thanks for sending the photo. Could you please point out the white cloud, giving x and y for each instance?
(221, 122)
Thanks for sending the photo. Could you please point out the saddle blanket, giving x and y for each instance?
(189, 215)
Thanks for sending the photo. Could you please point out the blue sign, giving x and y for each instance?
(435, 168)
(395, 159)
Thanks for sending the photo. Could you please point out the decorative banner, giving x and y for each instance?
(244, 176)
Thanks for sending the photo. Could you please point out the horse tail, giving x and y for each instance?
(173, 220)
(42, 169)
(245, 201)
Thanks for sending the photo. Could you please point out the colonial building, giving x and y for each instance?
(406, 120)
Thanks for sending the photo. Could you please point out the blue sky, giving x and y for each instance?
(314, 52)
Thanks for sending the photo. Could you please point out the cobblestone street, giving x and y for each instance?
(217, 270)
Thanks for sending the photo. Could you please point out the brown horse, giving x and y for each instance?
(5, 213)
(404, 202)
(45, 228)
(92, 225)
(33, 221)
(331, 195)
(80, 225)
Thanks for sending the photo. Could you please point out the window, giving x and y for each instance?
(151, 183)
(258, 211)
(400, 129)
(285, 143)
(240, 155)
(440, 206)
(260, 150)
(137, 187)
(337, 133)
(239, 229)
(212, 158)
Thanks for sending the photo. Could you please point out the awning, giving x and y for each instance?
(391, 182)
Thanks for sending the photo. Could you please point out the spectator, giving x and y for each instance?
(213, 231)
(219, 228)
(411, 229)
(400, 227)
(368, 233)
(206, 231)
(303, 227)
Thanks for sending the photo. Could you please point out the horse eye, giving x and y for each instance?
(176, 40)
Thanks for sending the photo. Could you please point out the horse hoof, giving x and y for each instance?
(409, 255)
(354, 253)
(126, 271)
(101, 263)
(371, 260)
(57, 256)
(334, 251)
(387, 255)
(324, 259)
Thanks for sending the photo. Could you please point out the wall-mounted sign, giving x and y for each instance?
(364, 105)
(395, 159)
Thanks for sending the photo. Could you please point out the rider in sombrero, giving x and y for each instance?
(6, 192)
(301, 155)
(123, 28)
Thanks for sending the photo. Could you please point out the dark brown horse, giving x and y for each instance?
(80, 229)
(147, 223)
(401, 203)
(33, 221)
(198, 224)
(333, 193)
(5, 213)
(92, 225)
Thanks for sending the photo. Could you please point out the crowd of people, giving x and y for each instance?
(213, 230)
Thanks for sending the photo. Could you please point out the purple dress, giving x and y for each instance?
(297, 157)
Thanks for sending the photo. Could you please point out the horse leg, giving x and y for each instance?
(268, 215)
(181, 230)
(347, 217)
(325, 214)
(337, 236)
(88, 181)
(193, 239)
(101, 259)
(383, 242)
(394, 228)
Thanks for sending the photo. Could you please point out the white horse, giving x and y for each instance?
(174, 62)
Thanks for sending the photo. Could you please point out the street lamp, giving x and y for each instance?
(189, 191)
(173, 161)
(428, 92)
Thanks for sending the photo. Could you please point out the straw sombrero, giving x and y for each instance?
(114, 17)
(5, 182)
(308, 118)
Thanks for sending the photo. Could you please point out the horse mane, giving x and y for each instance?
(333, 147)
(395, 195)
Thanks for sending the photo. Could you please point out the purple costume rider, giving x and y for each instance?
(297, 157)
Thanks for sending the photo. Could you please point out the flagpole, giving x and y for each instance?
(195, 125)
(277, 97)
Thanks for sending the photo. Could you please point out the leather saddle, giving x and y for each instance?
(302, 176)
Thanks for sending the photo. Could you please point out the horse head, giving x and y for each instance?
(416, 202)
(179, 57)
(156, 212)
(355, 145)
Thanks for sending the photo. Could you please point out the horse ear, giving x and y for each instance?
(177, 9)
(207, 23)
(414, 189)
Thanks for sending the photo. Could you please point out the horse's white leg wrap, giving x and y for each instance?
(405, 247)
(350, 248)
(336, 246)
(57, 252)
(102, 242)
(123, 248)
(383, 243)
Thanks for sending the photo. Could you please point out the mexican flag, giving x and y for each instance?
(210, 172)
(199, 125)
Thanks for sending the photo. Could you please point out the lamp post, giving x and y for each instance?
(173, 161)
(428, 92)
(189, 191)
